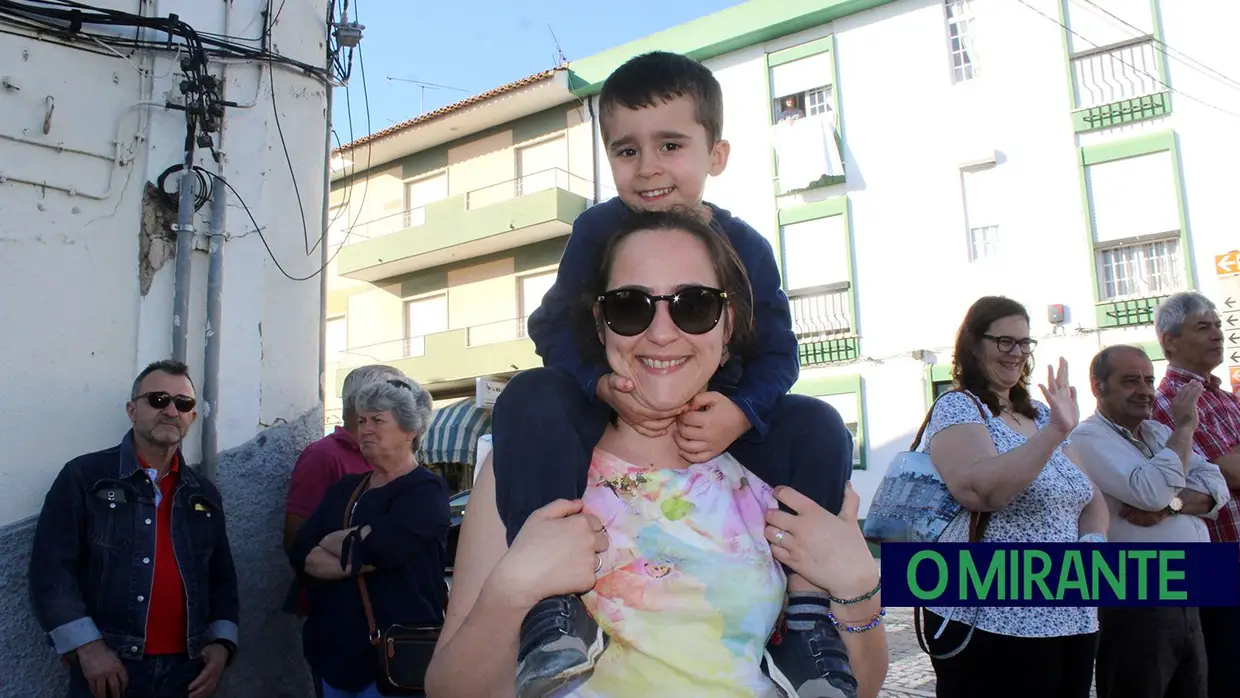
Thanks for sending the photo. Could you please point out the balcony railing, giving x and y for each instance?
(1116, 73)
(554, 178)
(822, 312)
(415, 345)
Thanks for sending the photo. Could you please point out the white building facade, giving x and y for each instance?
(1067, 154)
(91, 290)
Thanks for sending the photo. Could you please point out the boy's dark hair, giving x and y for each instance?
(733, 278)
(660, 76)
(170, 366)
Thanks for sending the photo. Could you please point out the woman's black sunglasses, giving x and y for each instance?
(694, 309)
(159, 400)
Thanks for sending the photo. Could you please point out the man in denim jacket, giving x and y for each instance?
(131, 575)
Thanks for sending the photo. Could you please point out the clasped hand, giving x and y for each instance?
(703, 428)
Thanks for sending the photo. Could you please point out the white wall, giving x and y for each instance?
(908, 130)
(76, 328)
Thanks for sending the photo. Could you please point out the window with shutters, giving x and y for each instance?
(804, 114)
(1137, 246)
(982, 210)
(531, 289)
(1135, 207)
(542, 165)
(419, 193)
(423, 317)
(817, 276)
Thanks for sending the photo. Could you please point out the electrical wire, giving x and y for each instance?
(1164, 48)
(1155, 78)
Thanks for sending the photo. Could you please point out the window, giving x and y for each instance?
(419, 193)
(815, 253)
(803, 111)
(803, 87)
(542, 166)
(424, 316)
(962, 39)
(336, 340)
(532, 289)
(982, 206)
(937, 388)
(1137, 245)
(847, 405)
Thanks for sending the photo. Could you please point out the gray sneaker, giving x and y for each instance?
(559, 642)
(812, 663)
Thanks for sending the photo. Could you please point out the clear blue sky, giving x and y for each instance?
(476, 45)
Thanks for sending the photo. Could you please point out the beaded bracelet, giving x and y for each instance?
(875, 620)
(864, 597)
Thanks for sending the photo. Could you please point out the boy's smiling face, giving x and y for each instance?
(660, 155)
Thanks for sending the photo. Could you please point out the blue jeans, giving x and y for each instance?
(156, 676)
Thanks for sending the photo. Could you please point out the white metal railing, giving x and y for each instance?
(415, 345)
(553, 178)
(1115, 73)
(821, 312)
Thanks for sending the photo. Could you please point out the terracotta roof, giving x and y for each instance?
(428, 116)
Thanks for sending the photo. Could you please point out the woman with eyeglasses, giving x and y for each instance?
(681, 560)
(1004, 454)
(382, 535)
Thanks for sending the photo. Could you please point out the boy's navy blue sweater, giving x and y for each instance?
(768, 372)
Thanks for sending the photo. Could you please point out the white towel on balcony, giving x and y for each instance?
(807, 150)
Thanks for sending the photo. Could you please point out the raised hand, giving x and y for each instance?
(1061, 399)
(1184, 406)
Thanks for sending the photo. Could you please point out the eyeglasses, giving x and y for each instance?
(1006, 344)
(159, 400)
(695, 309)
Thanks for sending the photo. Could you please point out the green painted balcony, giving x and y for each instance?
(449, 361)
(499, 217)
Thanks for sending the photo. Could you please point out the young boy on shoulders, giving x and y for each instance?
(661, 118)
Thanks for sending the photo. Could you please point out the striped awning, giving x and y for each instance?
(453, 434)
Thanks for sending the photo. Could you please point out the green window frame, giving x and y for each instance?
(774, 59)
(1124, 111)
(1140, 311)
(938, 378)
(841, 385)
(833, 349)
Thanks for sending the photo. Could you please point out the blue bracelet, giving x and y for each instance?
(875, 621)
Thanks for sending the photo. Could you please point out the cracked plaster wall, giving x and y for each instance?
(253, 479)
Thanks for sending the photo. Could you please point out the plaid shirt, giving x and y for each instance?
(1218, 432)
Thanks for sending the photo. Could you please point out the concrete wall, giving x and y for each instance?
(908, 131)
(86, 282)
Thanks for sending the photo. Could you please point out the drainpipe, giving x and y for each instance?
(215, 306)
(324, 379)
(184, 230)
(215, 290)
(595, 139)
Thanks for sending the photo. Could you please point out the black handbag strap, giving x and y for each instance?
(375, 639)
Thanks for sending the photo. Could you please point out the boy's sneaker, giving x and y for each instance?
(559, 642)
(809, 658)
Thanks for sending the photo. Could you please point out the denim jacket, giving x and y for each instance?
(91, 566)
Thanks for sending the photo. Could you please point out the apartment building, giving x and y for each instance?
(904, 157)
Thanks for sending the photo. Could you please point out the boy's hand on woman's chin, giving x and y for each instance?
(617, 392)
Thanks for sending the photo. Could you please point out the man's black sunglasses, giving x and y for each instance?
(159, 400)
(694, 309)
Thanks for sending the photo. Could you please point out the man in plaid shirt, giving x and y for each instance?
(1191, 335)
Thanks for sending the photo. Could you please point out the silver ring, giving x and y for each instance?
(779, 536)
(598, 562)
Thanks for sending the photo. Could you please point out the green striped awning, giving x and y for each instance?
(453, 434)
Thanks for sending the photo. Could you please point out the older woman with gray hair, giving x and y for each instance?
(388, 528)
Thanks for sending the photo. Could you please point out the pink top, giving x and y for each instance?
(320, 466)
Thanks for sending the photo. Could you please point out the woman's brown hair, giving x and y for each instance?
(967, 370)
